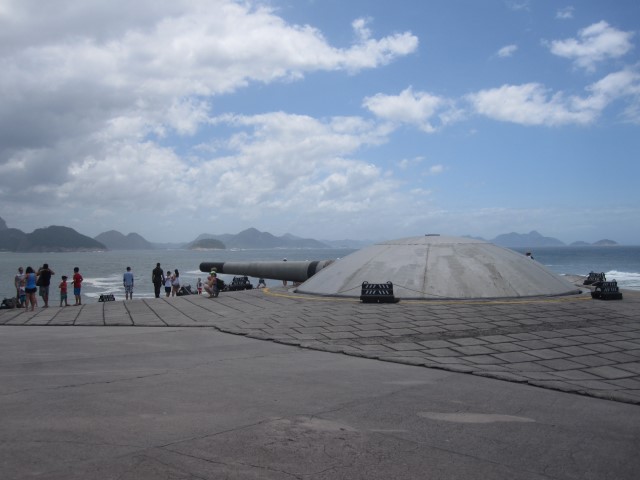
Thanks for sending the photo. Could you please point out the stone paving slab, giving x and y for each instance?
(573, 344)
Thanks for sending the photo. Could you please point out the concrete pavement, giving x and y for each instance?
(153, 388)
(193, 403)
(573, 344)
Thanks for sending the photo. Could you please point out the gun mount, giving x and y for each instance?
(296, 271)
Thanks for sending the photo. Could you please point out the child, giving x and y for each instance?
(167, 283)
(77, 285)
(199, 286)
(22, 295)
(63, 291)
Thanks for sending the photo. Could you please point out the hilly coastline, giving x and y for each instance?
(115, 240)
(65, 239)
(49, 239)
(253, 238)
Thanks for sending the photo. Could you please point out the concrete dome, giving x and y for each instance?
(438, 267)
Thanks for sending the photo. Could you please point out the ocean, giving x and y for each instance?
(102, 271)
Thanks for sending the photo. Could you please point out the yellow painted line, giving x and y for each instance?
(300, 296)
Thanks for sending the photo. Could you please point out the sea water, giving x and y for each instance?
(102, 271)
(620, 263)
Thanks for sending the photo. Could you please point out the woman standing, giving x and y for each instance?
(175, 283)
(30, 288)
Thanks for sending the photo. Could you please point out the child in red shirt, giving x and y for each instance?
(63, 291)
(77, 285)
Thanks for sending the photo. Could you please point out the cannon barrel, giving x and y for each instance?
(297, 271)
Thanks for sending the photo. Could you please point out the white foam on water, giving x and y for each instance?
(629, 280)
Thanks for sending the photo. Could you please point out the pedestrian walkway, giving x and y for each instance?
(572, 344)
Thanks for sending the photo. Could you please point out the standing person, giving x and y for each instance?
(199, 286)
(175, 283)
(284, 282)
(157, 278)
(167, 283)
(127, 281)
(77, 285)
(63, 291)
(30, 288)
(17, 281)
(21, 294)
(44, 280)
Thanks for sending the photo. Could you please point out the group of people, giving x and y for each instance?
(29, 281)
(170, 281)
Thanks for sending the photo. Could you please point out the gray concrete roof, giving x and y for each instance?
(439, 267)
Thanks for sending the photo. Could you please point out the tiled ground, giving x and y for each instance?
(573, 344)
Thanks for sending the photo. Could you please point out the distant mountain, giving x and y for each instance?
(531, 239)
(11, 238)
(475, 238)
(115, 240)
(54, 239)
(291, 241)
(605, 243)
(49, 239)
(252, 238)
(207, 244)
(579, 243)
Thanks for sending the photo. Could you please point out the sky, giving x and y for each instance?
(326, 119)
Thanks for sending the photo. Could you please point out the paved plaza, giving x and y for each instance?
(573, 344)
(155, 388)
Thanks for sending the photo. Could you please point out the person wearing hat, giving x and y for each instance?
(212, 284)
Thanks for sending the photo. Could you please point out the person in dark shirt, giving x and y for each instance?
(157, 278)
(44, 280)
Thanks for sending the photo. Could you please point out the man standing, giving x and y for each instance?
(157, 278)
(44, 280)
(127, 281)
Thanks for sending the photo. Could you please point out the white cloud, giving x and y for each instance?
(533, 104)
(565, 13)
(91, 91)
(406, 163)
(436, 169)
(416, 108)
(624, 84)
(281, 155)
(523, 5)
(529, 104)
(150, 68)
(595, 44)
(507, 51)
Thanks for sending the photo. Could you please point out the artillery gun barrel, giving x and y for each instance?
(296, 271)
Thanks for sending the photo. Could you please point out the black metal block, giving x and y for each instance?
(595, 277)
(377, 293)
(606, 291)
